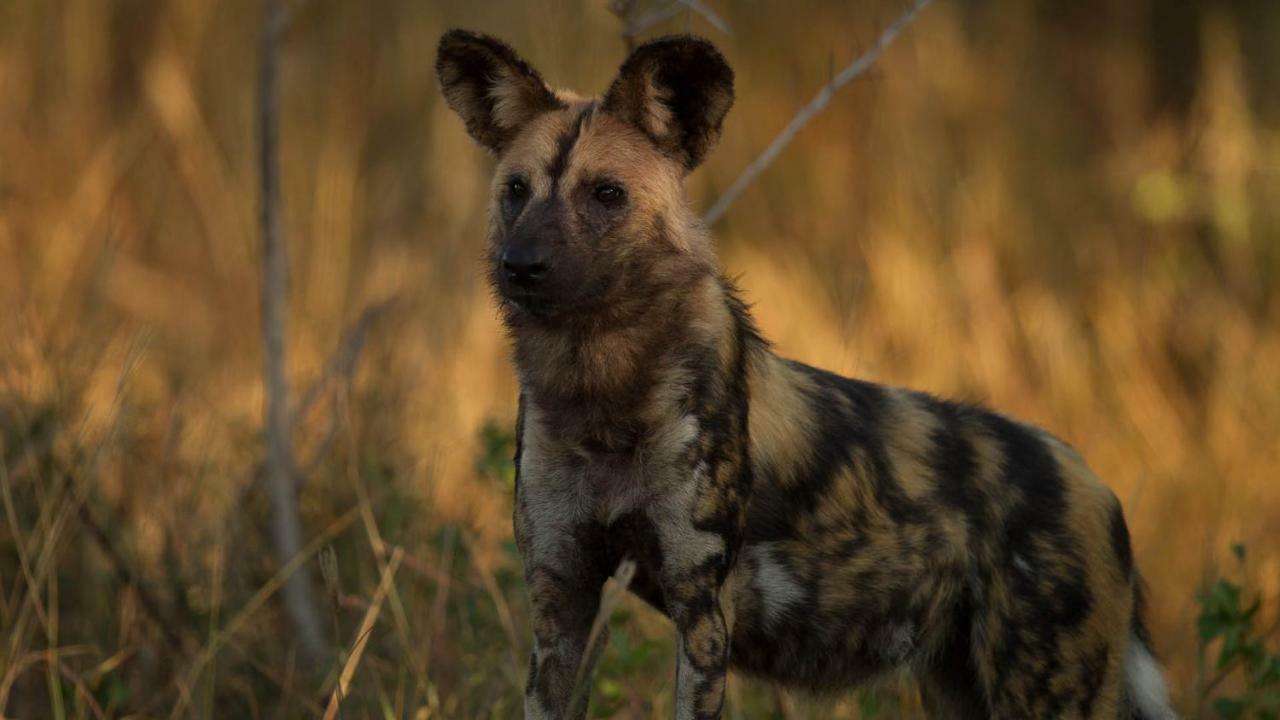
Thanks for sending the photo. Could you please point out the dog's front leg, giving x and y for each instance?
(563, 570)
(564, 577)
(694, 565)
(563, 607)
(702, 660)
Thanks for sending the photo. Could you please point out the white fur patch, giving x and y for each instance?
(683, 546)
(1147, 689)
(900, 643)
(510, 100)
(778, 590)
(650, 475)
(1021, 563)
(657, 118)
(533, 709)
(552, 497)
(687, 679)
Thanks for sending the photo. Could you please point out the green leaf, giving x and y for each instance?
(497, 452)
(609, 688)
(1229, 708)
(510, 550)
(1253, 609)
(111, 692)
(869, 703)
(1231, 645)
(1268, 672)
(1226, 597)
(1210, 626)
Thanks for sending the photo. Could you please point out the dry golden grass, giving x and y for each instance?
(1031, 207)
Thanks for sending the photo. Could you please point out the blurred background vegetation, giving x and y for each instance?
(1068, 210)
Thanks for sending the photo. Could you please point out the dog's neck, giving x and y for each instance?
(607, 388)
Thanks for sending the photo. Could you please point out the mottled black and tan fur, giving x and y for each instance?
(795, 525)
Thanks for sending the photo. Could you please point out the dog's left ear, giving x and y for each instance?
(677, 91)
(493, 90)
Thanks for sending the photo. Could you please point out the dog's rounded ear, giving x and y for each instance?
(493, 90)
(677, 91)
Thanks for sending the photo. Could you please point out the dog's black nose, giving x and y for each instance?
(524, 268)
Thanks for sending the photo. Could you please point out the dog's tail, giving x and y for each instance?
(1144, 680)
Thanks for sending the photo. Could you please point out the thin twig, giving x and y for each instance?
(398, 613)
(707, 14)
(125, 574)
(806, 113)
(285, 525)
(444, 584)
(343, 361)
(490, 584)
(253, 605)
(273, 675)
(62, 503)
(290, 13)
(362, 636)
(341, 366)
(786, 706)
(610, 595)
(636, 22)
(82, 692)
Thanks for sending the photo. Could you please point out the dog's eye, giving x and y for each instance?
(608, 193)
(517, 189)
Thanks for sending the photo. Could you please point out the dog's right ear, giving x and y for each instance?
(493, 90)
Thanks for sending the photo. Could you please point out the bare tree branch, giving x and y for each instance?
(341, 366)
(286, 527)
(385, 585)
(635, 23)
(125, 574)
(289, 14)
(610, 595)
(342, 362)
(707, 14)
(806, 113)
(636, 20)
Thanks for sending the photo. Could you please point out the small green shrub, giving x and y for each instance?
(1227, 622)
(497, 452)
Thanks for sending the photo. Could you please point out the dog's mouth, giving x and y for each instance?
(530, 302)
(554, 300)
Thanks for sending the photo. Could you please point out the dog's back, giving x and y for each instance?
(889, 529)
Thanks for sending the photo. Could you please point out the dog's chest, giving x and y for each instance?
(612, 485)
(561, 485)
(591, 482)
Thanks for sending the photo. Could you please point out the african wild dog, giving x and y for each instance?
(795, 525)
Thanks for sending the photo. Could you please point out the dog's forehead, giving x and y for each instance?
(579, 138)
(607, 144)
(538, 141)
